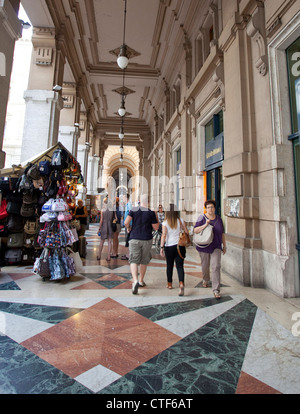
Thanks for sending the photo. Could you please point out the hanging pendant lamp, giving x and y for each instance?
(123, 57)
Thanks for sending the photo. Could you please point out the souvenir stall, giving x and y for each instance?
(36, 204)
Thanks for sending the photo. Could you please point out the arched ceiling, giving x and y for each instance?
(130, 160)
(90, 33)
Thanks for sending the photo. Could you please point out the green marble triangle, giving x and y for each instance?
(167, 310)
(50, 314)
(208, 361)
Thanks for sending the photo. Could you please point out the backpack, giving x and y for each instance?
(27, 210)
(15, 240)
(13, 256)
(31, 227)
(15, 224)
(3, 212)
(25, 183)
(34, 172)
(45, 167)
(59, 159)
(3, 230)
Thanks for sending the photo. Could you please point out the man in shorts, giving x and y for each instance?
(140, 242)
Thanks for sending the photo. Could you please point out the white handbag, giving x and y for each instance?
(58, 205)
(77, 260)
(204, 238)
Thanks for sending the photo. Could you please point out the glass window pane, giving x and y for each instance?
(297, 173)
(293, 58)
(209, 131)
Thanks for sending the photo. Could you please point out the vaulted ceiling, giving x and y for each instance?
(90, 33)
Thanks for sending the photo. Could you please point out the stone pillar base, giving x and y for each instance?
(260, 269)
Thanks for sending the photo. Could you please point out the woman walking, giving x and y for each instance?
(171, 228)
(211, 255)
(105, 228)
(118, 215)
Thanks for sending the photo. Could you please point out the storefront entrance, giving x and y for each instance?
(293, 58)
(214, 156)
(214, 187)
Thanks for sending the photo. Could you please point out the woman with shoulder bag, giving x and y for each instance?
(211, 254)
(171, 228)
(105, 228)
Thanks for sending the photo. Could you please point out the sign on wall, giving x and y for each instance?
(214, 150)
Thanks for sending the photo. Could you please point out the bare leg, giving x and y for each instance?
(134, 271)
(109, 249)
(143, 269)
(100, 249)
(115, 243)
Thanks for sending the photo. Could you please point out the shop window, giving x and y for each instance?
(293, 62)
(214, 127)
(178, 159)
(214, 155)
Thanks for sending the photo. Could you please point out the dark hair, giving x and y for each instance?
(207, 202)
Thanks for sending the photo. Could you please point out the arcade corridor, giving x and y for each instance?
(90, 335)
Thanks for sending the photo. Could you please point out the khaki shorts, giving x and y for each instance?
(140, 251)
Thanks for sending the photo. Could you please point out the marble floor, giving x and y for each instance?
(90, 335)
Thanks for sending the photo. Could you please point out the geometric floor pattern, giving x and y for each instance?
(90, 335)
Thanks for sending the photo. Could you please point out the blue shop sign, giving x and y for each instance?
(214, 151)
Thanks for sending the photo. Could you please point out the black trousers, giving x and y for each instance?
(171, 256)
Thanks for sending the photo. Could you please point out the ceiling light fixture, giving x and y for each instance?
(122, 109)
(123, 58)
(121, 133)
(122, 63)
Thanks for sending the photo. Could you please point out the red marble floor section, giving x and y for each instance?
(250, 385)
(89, 286)
(107, 333)
(16, 276)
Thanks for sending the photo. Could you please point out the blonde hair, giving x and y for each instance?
(172, 216)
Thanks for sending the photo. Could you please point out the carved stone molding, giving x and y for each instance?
(218, 77)
(256, 30)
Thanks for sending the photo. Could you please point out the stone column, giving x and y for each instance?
(10, 31)
(43, 104)
(69, 130)
(240, 167)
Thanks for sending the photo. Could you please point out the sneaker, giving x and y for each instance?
(135, 287)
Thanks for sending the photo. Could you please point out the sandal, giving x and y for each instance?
(181, 290)
(169, 286)
(217, 294)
